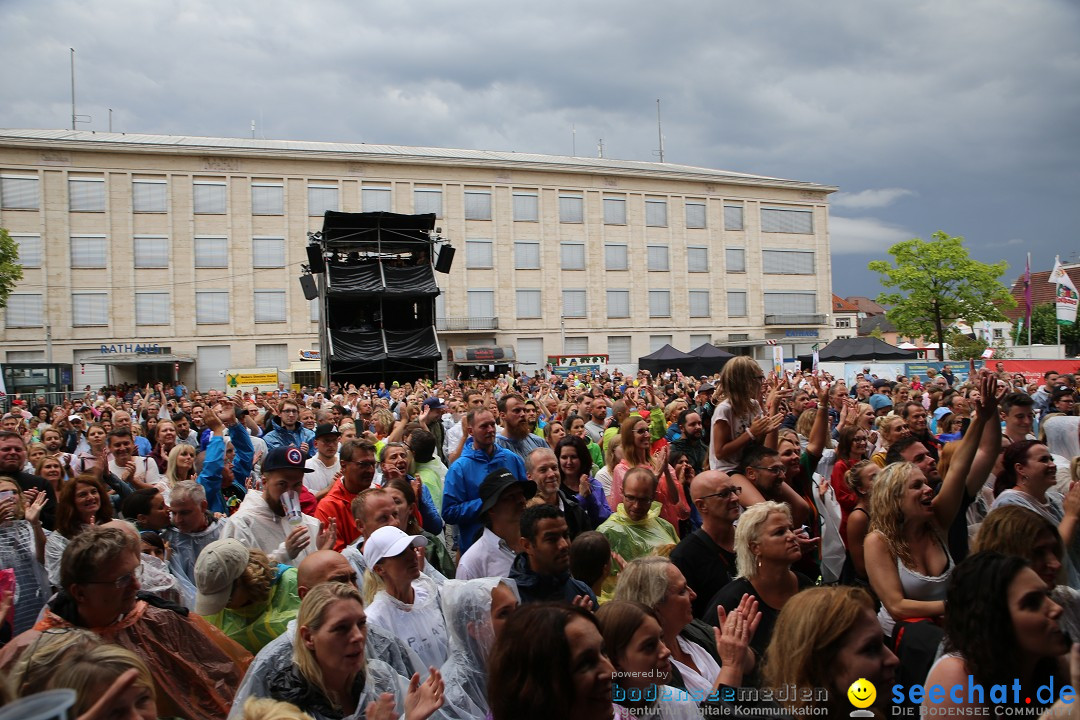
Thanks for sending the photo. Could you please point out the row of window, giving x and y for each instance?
(529, 303)
(152, 251)
(89, 309)
(210, 197)
(480, 255)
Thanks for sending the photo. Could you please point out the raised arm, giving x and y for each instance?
(948, 500)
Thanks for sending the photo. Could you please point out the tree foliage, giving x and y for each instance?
(936, 284)
(10, 270)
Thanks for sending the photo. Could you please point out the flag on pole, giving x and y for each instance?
(1027, 292)
(1066, 295)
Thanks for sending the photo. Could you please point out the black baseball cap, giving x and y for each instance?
(499, 481)
(326, 429)
(285, 458)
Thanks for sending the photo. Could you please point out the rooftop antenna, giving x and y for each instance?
(110, 119)
(659, 130)
(600, 148)
(252, 129)
(74, 117)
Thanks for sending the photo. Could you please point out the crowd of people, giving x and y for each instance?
(534, 546)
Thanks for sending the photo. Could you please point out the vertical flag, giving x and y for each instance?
(1066, 294)
(1027, 297)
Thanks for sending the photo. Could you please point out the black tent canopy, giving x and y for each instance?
(860, 348)
(666, 358)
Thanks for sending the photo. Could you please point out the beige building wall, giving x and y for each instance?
(185, 166)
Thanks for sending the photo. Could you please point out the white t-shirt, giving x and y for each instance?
(323, 476)
(738, 425)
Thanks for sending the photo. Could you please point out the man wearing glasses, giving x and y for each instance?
(290, 432)
(706, 556)
(357, 472)
(195, 667)
(635, 529)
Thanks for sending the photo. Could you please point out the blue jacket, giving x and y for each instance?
(214, 462)
(281, 437)
(461, 487)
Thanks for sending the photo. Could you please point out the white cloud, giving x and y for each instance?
(870, 198)
(863, 235)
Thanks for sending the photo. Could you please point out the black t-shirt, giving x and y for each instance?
(731, 595)
(706, 566)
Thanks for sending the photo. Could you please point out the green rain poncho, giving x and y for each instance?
(633, 539)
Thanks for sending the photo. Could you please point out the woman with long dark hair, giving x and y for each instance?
(1026, 644)
(575, 464)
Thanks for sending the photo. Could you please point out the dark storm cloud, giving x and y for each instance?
(960, 116)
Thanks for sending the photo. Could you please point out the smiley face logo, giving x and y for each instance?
(862, 693)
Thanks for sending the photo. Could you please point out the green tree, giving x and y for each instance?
(1044, 328)
(10, 269)
(965, 347)
(937, 284)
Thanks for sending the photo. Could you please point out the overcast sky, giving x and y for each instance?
(959, 115)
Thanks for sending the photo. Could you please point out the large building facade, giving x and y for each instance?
(149, 256)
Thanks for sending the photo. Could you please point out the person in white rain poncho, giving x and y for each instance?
(330, 677)
(475, 611)
(405, 603)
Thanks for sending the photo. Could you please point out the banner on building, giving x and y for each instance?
(1066, 295)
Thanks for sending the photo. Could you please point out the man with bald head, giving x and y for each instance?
(380, 646)
(706, 556)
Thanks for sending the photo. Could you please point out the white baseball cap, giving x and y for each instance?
(389, 541)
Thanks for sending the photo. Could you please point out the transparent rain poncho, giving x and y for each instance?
(466, 608)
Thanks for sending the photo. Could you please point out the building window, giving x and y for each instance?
(89, 251)
(738, 337)
(655, 213)
(616, 257)
(787, 220)
(152, 308)
(23, 310)
(151, 251)
(209, 197)
(267, 198)
(272, 356)
(528, 304)
(843, 322)
(736, 303)
(657, 258)
(618, 349)
(571, 209)
(790, 303)
(481, 304)
(267, 252)
(576, 346)
(321, 199)
(695, 214)
(699, 304)
(19, 192)
(211, 251)
(269, 306)
(697, 259)
(478, 254)
(427, 200)
(477, 205)
(733, 217)
(526, 255)
(614, 211)
(998, 334)
(89, 309)
(313, 308)
(699, 340)
(618, 303)
(149, 196)
(30, 249)
(25, 356)
(573, 255)
(86, 194)
(658, 341)
(526, 207)
(659, 303)
(573, 303)
(375, 199)
(787, 262)
(211, 307)
(735, 258)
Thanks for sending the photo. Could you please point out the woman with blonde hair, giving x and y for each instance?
(180, 465)
(766, 547)
(859, 480)
(892, 428)
(739, 420)
(331, 678)
(51, 469)
(107, 674)
(828, 637)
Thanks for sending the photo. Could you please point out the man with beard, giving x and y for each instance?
(12, 462)
(542, 569)
(515, 435)
(706, 556)
(690, 441)
(260, 520)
